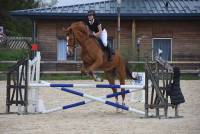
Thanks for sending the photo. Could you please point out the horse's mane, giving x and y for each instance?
(82, 27)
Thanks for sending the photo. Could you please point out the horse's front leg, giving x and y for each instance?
(91, 74)
(95, 77)
(93, 67)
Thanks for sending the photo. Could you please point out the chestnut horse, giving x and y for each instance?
(93, 56)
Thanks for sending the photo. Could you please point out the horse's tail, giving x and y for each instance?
(128, 72)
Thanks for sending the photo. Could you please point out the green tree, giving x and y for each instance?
(14, 26)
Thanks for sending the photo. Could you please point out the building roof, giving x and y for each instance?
(129, 8)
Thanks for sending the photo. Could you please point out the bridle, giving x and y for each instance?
(74, 40)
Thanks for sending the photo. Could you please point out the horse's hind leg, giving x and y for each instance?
(122, 76)
(111, 80)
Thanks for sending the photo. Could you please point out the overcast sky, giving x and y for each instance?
(72, 2)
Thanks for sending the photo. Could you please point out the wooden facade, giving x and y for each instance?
(172, 27)
(185, 37)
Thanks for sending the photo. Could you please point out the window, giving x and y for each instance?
(163, 44)
(61, 49)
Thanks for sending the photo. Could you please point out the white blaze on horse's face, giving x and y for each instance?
(70, 49)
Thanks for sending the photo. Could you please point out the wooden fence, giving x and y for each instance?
(15, 42)
(177, 63)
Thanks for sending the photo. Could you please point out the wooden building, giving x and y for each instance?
(170, 25)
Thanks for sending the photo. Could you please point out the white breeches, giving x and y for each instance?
(104, 37)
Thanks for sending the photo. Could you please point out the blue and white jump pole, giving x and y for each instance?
(98, 99)
(35, 72)
(93, 98)
(86, 85)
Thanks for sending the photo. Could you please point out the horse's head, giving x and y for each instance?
(76, 32)
(71, 40)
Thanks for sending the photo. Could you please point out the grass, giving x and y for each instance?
(5, 67)
(190, 77)
(137, 67)
(63, 77)
(67, 77)
(3, 77)
(79, 77)
(11, 55)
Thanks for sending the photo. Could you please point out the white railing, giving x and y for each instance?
(34, 77)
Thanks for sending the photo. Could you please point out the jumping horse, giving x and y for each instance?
(94, 58)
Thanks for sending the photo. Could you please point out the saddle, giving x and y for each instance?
(107, 49)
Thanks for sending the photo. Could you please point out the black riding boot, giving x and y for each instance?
(109, 51)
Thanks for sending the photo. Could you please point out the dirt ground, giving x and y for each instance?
(96, 118)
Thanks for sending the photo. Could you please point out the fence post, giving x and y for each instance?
(34, 77)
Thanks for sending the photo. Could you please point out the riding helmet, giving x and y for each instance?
(91, 12)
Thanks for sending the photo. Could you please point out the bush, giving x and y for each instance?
(12, 54)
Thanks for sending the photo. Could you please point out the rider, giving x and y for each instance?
(98, 31)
